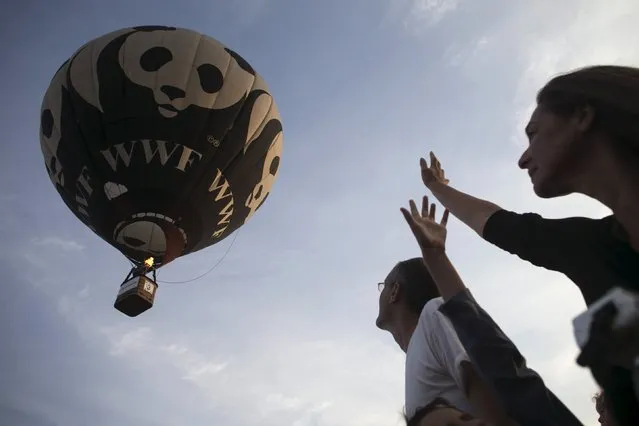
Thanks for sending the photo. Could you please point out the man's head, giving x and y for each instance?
(406, 289)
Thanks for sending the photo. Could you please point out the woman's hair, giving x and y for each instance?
(612, 91)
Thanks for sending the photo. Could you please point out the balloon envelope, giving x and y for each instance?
(161, 140)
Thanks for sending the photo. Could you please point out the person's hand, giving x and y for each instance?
(432, 173)
(428, 233)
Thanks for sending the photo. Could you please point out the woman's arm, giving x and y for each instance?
(495, 358)
(474, 212)
(556, 244)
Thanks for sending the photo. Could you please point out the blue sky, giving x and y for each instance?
(282, 332)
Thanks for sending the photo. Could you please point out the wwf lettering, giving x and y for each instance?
(167, 154)
(222, 190)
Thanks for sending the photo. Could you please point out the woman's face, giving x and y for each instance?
(554, 149)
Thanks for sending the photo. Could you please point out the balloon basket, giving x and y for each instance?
(136, 294)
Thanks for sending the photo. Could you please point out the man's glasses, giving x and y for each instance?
(380, 286)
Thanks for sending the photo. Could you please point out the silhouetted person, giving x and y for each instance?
(584, 138)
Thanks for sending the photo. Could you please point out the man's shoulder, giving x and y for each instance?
(431, 308)
(420, 345)
(431, 321)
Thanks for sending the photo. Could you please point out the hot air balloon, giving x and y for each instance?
(163, 142)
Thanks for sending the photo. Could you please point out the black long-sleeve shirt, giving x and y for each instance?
(498, 361)
(594, 254)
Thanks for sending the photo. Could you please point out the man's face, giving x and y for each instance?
(388, 291)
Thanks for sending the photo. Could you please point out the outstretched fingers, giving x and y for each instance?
(410, 219)
(425, 206)
(434, 162)
(444, 221)
(428, 210)
(413, 208)
(433, 159)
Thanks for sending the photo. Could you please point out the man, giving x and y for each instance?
(436, 363)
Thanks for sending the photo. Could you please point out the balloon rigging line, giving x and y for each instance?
(228, 249)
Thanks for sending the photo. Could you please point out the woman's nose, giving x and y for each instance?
(524, 159)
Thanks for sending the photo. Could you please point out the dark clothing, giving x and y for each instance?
(595, 255)
(497, 360)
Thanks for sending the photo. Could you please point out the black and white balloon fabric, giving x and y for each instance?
(161, 140)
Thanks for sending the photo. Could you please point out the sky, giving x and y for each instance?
(282, 331)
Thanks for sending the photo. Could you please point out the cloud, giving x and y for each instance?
(415, 16)
(503, 61)
(58, 243)
(575, 35)
(142, 343)
(273, 376)
(129, 342)
(278, 402)
(507, 51)
(248, 358)
(457, 54)
(84, 293)
(250, 11)
(19, 417)
(430, 12)
(276, 377)
(281, 333)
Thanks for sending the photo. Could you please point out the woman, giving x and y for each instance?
(584, 138)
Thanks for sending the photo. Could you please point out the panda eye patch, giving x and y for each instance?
(46, 122)
(155, 58)
(275, 164)
(211, 78)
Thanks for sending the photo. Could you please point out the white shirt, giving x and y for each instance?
(433, 362)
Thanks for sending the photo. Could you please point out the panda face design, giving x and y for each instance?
(83, 68)
(159, 60)
(50, 125)
(269, 172)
